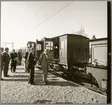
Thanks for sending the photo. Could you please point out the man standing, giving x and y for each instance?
(6, 60)
(20, 55)
(13, 55)
(31, 65)
(44, 60)
(1, 60)
(26, 63)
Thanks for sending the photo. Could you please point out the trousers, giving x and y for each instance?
(6, 67)
(13, 66)
(31, 77)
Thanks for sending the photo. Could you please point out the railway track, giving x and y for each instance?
(76, 82)
(70, 77)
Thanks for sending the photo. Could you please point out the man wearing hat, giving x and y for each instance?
(31, 65)
(6, 60)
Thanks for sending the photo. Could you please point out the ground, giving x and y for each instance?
(15, 89)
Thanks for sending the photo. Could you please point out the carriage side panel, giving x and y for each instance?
(78, 50)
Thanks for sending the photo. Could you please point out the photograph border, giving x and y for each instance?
(109, 52)
(109, 59)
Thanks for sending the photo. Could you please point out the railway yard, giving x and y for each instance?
(15, 89)
(70, 78)
(55, 52)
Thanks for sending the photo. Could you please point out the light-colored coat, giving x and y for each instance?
(44, 60)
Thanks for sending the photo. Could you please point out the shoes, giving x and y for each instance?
(46, 82)
(32, 83)
(6, 76)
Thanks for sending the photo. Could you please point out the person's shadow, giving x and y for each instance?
(49, 101)
(18, 76)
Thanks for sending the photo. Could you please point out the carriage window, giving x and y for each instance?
(51, 48)
(46, 44)
(49, 45)
(39, 47)
(55, 47)
(62, 44)
(32, 44)
(28, 45)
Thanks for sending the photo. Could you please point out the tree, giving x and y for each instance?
(82, 32)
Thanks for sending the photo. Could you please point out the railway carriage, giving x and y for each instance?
(71, 49)
(74, 50)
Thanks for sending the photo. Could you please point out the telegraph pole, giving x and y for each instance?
(4, 44)
(12, 45)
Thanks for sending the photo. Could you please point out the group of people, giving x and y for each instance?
(5, 60)
(30, 62)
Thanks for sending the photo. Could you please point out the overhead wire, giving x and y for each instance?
(54, 14)
(39, 10)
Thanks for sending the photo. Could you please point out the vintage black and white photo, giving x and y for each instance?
(54, 52)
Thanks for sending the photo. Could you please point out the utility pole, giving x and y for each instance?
(12, 45)
(4, 44)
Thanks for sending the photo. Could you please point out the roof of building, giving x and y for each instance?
(99, 39)
(70, 35)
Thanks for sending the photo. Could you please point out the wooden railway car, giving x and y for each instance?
(71, 49)
(74, 50)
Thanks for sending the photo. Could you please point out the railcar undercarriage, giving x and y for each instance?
(75, 74)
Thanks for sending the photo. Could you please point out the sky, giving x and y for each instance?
(23, 21)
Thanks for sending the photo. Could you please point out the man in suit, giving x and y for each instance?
(26, 56)
(1, 60)
(44, 60)
(20, 55)
(31, 65)
(13, 55)
(6, 60)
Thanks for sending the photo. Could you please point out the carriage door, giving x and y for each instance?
(39, 49)
(63, 50)
(49, 45)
